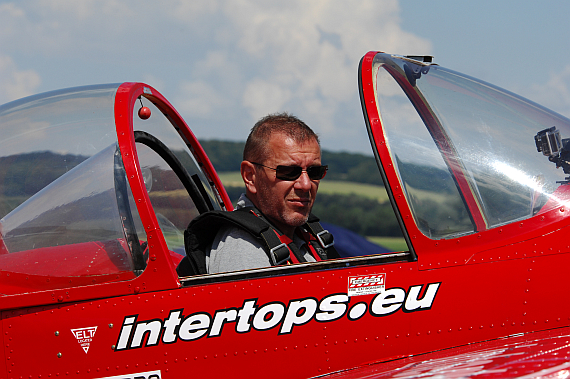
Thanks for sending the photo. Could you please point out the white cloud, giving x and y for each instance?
(185, 10)
(199, 99)
(555, 93)
(226, 62)
(16, 83)
(264, 97)
(310, 51)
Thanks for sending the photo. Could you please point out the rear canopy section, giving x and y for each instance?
(86, 184)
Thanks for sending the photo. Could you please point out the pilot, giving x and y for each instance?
(281, 170)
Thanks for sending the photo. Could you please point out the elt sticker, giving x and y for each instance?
(366, 284)
(84, 336)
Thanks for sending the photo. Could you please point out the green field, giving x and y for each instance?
(392, 243)
(332, 187)
(346, 188)
(233, 179)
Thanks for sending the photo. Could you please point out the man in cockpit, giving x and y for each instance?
(281, 170)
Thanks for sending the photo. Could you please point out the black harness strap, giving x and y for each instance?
(278, 251)
(325, 247)
(270, 241)
(201, 232)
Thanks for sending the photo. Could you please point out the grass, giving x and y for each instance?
(378, 193)
(392, 243)
(233, 179)
(370, 191)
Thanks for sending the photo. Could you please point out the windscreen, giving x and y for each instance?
(430, 189)
(471, 128)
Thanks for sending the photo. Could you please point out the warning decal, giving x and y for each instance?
(366, 284)
(84, 336)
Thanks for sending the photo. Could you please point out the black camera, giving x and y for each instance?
(549, 143)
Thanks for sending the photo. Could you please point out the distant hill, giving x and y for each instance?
(23, 175)
(224, 155)
(352, 167)
(26, 174)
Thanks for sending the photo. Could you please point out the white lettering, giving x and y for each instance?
(220, 318)
(125, 332)
(268, 316)
(244, 314)
(152, 328)
(413, 304)
(299, 312)
(332, 307)
(139, 375)
(194, 326)
(170, 325)
(388, 302)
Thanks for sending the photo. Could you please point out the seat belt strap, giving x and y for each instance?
(324, 237)
(278, 251)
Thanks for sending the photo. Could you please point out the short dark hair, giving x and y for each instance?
(256, 147)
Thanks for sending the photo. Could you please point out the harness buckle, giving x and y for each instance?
(275, 255)
(322, 242)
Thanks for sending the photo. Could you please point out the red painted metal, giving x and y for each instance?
(512, 302)
(535, 355)
(297, 321)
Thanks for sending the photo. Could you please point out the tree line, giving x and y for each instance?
(357, 213)
(350, 167)
(360, 214)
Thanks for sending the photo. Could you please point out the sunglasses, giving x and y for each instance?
(291, 173)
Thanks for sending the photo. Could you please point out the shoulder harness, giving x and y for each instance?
(201, 231)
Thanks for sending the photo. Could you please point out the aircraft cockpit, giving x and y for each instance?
(462, 149)
(68, 213)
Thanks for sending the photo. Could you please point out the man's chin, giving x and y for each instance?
(298, 218)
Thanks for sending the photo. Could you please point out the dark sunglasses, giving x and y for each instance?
(291, 173)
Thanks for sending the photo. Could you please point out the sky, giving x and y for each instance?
(224, 64)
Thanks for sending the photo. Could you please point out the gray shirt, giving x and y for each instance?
(235, 249)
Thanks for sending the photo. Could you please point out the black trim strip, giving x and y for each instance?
(297, 268)
(127, 221)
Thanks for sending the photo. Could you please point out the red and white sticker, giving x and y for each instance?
(366, 284)
(138, 375)
(84, 336)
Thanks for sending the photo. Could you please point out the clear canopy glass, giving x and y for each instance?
(67, 213)
(459, 126)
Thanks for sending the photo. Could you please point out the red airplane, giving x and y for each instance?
(98, 184)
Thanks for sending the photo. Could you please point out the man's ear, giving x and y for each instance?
(248, 175)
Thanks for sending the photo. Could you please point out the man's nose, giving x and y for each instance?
(303, 182)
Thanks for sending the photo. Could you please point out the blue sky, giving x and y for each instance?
(513, 44)
(225, 63)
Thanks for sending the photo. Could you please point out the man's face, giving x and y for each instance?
(287, 203)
